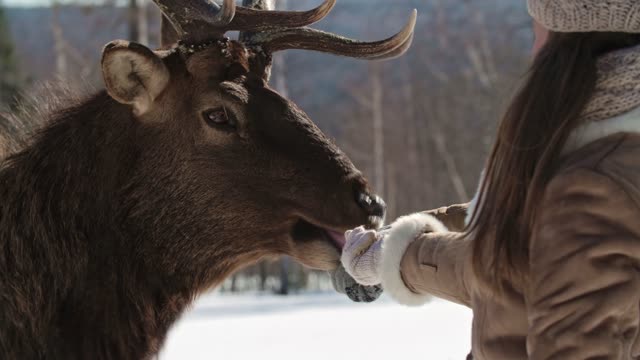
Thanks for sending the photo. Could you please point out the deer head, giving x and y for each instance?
(232, 171)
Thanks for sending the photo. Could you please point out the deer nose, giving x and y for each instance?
(372, 204)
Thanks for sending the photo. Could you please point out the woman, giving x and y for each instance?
(550, 259)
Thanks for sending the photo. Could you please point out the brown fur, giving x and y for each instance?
(110, 224)
(13, 134)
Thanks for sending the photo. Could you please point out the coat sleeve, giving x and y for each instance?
(584, 285)
(453, 217)
(420, 258)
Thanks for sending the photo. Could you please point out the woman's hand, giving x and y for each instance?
(344, 283)
(362, 254)
(374, 258)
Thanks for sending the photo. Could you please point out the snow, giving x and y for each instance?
(318, 327)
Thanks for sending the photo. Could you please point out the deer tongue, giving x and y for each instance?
(338, 238)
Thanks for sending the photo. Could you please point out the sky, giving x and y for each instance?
(48, 2)
(27, 2)
(24, 2)
(42, 2)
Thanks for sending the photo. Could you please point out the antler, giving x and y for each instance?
(247, 36)
(260, 18)
(197, 21)
(201, 20)
(311, 39)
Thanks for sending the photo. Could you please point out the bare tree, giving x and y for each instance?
(377, 116)
(59, 43)
(138, 23)
(280, 76)
(132, 16)
(143, 21)
(371, 99)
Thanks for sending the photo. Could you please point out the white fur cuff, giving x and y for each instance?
(403, 232)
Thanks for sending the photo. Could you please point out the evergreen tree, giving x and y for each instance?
(9, 75)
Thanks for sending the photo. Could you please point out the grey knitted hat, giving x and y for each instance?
(587, 15)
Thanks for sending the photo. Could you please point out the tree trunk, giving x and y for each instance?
(133, 18)
(279, 68)
(377, 114)
(284, 276)
(58, 42)
(234, 283)
(413, 200)
(445, 153)
(280, 77)
(143, 22)
(391, 197)
(263, 276)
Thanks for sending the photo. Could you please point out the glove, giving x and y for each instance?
(361, 254)
(343, 283)
(367, 251)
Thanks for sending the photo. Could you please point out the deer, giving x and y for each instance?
(130, 202)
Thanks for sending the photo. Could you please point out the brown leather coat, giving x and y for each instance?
(582, 300)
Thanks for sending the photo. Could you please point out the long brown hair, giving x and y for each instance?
(530, 138)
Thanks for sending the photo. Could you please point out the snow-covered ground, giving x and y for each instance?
(318, 327)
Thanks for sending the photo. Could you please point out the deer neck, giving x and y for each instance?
(64, 225)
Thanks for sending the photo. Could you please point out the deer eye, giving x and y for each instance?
(220, 118)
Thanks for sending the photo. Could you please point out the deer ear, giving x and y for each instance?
(133, 74)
